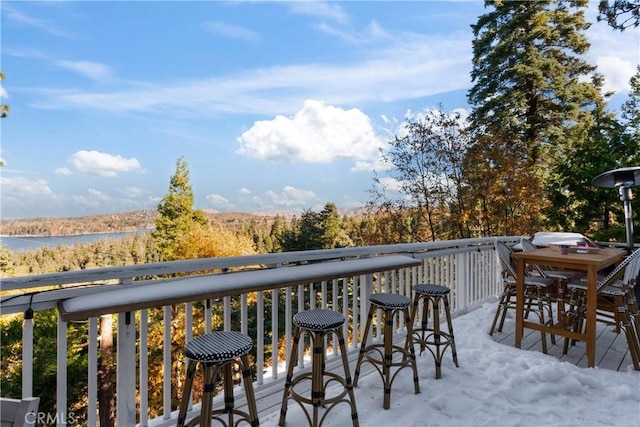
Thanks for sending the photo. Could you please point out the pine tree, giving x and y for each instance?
(533, 93)
(333, 233)
(631, 108)
(176, 218)
(620, 14)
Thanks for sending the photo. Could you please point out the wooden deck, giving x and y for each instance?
(612, 353)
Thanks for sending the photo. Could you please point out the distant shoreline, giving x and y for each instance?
(31, 242)
(143, 230)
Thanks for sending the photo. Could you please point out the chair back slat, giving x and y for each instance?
(627, 269)
(527, 245)
(504, 253)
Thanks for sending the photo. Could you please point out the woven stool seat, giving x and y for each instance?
(429, 337)
(433, 290)
(385, 300)
(218, 346)
(319, 325)
(381, 354)
(318, 320)
(219, 352)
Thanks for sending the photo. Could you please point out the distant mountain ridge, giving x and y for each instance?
(123, 222)
(105, 223)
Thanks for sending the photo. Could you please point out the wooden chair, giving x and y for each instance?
(561, 278)
(537, 294)
(18, 412)
(617, 304)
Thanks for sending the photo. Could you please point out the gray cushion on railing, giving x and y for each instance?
(218, 346)
(385, 300)
(318, 320)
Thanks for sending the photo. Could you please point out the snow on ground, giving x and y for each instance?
(495, 385)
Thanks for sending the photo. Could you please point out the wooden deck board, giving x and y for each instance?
(612, 351)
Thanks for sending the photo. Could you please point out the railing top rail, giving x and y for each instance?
(182, 289)
(208, 264)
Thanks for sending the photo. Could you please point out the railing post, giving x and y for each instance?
(126, 374)
(463, 281)
(27, 355)
(366, 289)
(92, 370)
(61, 386)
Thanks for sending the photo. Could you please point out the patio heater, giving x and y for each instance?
(622, 179)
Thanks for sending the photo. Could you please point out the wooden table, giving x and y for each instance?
(591, 263)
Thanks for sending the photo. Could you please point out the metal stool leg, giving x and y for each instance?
(289, 378)
(229, 401)
(209, 389)
(186, 393)
(388, 357)
(317, 386)
(347, 376)
(451, 336)
(412, 352)
(367, 327)
(248, 388)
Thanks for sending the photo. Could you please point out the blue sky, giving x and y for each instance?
(275, 106)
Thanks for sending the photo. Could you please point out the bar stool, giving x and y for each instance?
(425, 336)
(218, 352)
(390, 304)
(318, 324)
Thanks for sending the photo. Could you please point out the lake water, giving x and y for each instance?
(29, 243)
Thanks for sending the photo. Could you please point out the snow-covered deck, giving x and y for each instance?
(496, 384)
(489, 382)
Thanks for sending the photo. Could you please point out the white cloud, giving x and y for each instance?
(62, 171)
(95, 199)
(103, 164)
(318, 8)
(316, 134)
(390, 184)
(245, 191)
(91, 70)
(375, 165)
(22, 187)
(618, 72)
(231, 31)
(397, 67)
(130, 192)
(20, 195)
(219, 202)
(291, 196)
(615, 53)
(15, 15)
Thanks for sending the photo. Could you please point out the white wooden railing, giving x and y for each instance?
(469, 267)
